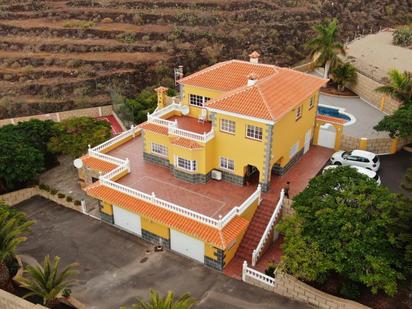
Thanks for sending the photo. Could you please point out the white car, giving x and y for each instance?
(360, 158)
(371, 174)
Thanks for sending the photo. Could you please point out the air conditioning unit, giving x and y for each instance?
(216, 175)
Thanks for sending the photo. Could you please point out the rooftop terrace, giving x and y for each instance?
(191, 124)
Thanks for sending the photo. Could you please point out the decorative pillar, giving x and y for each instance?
(394, 145)
(363, 143)
(382, 105)
(161, 96)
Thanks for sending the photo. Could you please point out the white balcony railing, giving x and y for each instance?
(131, 132)
(205, 137)
(257, 275)
(105, 157)
(267, 233)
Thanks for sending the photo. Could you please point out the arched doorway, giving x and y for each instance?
(252, 175)
(327, 135)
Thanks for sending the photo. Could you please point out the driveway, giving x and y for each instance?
(115, 267)
(393, 168)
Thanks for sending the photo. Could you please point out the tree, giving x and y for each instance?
(399, 124)
(13, 225)
(407, 180)
(324, 45)
(144, 103)
(167, 302)
(344, 74)
(399, 87)
(46, 281)
(75, 134)
(19, 162)
(346, 224)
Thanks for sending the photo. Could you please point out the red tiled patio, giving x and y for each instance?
(192, 124)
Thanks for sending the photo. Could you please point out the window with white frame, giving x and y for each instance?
(228, 126)
(254, 132)
(298, 112)
(198, 100)
(160, 150)
(190, 165)
(227, 164)
(294, 150)
(311, 102)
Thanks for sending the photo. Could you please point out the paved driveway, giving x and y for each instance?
(393, 168)
(115, 268)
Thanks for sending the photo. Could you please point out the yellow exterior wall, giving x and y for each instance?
(210, 251)
(155, 228)
(151, 137)
(187, 90)
(230, 252)
(238, 147)
(106, 208)
(287, 131)
(248, 213)
(339, 133)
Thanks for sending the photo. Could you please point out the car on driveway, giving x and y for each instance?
(361, 170)
(360, 158)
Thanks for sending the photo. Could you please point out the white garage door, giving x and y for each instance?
(327, 136)
(127, 220)
(187, 245)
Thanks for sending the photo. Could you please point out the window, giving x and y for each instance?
(254, 132)
(294, 150)
(186, 164)
(198, 100)
(298, 112)
(227, 164)
(159, 149)
(227, 126)
(311, 102)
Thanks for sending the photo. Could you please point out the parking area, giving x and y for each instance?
(116, 267)
(393, 168)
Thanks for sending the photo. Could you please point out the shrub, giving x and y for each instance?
(66, 292)
(126, 38)
(44, 187)
(270, 270)
(69, 199)
(61, 195)
(77, 203)
(403, 36)
(53, 191)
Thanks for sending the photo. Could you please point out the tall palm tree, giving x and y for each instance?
(45, 281)
(399, 87)
(324, 45)
(167, 302)
(13, 225)
(344, 74)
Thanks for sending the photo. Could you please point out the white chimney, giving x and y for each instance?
(251, 79)
(254, 57)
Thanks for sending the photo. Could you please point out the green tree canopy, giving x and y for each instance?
(348, 225)
(399, 87)
(344, 74)
(75, 134)
(144, 103)
(324, 45)
(399, 124)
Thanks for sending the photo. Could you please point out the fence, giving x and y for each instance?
(269, 228)
(89, 112)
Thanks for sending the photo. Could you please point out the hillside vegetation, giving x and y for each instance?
(59, 55)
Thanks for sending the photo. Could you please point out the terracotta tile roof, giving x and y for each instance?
(219, 238)
(331, 119)
(187, 143)
(270, 98)
(98, 164)
(154, 128)
(228, 75)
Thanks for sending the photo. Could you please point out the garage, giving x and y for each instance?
(127, 220)
(187, 245)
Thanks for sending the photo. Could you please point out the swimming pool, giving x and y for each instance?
(332, 112)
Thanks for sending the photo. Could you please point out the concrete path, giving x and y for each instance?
(116, 267)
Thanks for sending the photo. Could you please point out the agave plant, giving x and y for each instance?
(45, 280)
(167, 302)
(13, 225)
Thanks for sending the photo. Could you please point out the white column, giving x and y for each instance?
(83, 205)
(244, 271)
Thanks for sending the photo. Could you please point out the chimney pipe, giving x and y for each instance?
(251, 79)
(254, 57)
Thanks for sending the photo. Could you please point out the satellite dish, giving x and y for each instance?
(78, 163)
(184, 110)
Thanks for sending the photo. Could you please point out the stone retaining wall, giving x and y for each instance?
(382, 145)
(365, 88)
(10, 301)
(88, 112)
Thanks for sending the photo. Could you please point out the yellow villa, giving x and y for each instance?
(191, 177)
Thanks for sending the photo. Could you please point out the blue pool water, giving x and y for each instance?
(333, 112)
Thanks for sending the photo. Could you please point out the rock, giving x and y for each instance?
(107, 20)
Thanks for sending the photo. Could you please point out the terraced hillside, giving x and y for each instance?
(58, 55)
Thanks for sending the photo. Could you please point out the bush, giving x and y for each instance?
(270, 270)
(53, 191)
(403, 36)
(69, 199)
(66, 292)
(77, 203)
(61, 195)
(44, 187)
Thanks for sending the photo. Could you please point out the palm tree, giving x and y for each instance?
(45, 281)
(344, 74)
(324, 45)
(400, 86)
(168, 302)
(13, 224)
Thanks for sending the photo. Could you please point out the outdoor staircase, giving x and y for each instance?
(255, 230)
